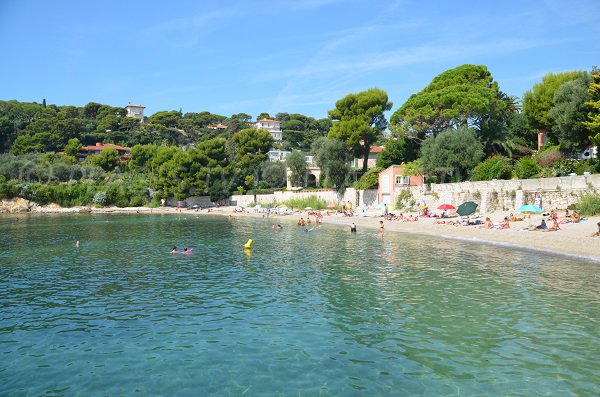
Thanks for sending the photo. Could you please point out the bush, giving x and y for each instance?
(313, 202)
(370, 180)
(564, 167)
(497, 167)
(405, 200)
(548, 156)
(527, 168)
(589, 205)
(100, 198)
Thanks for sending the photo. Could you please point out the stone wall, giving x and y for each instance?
(367, 198)
(507, 195)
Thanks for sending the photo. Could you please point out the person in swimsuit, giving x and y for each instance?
(353, 228)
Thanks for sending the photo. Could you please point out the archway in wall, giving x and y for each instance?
(311, 180)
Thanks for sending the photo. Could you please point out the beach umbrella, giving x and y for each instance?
(446, 207)
(529, 208)
(466, 208)
(257, 206)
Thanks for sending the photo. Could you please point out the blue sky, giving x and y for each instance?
(301, 56)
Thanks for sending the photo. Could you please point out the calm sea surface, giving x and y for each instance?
(314, 313)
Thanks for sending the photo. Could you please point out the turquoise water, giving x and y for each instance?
(313, 313)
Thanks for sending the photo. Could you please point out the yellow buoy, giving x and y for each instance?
(248, 245)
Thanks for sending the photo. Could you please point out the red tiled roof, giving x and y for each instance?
(376, 149)
(100, 146)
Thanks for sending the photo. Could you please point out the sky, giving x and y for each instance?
(301, 56)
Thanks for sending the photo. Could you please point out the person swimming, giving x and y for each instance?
(187, 251)
(174, 250)
(353, 228)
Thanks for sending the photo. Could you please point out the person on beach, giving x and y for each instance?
(385, 210)
(505, 224)
(381, 230)
(596, 234)
(542, 226)
(353, 228)
(488, 224)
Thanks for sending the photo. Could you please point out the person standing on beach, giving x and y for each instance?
(385, 210)
(381, 231)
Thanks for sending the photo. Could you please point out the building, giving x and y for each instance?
(272, 126)
(392, 181)
(136, 111)
(85, 151)
(278, 155)
(217, 127)
(372, 160)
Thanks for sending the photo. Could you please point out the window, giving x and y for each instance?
(402, 180)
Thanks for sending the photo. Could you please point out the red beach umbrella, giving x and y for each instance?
(446, 207)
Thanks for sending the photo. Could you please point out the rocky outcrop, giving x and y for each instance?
(16, 206)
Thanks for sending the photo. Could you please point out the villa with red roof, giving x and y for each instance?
(272, 126)
(371, 162)
(85, 151)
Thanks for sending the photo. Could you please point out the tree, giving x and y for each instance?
(251, 147)
(464, 96)
(539, 100)
(453, 152)
(168, 119)
(296, 162)
(359, 121)
(72, 147)
(263, 116)
(397, 150)
(332, 156)
(569, 112)
(108, 159)
(593, 121)
(274, 173)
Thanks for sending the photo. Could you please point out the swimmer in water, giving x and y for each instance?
(174, 250)
(77, 244)
(353, 228)
(187, 251)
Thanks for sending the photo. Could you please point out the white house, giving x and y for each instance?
(272, 126)
(136, 111)
(278, 155)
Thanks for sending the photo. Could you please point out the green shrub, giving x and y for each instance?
(100, 198)
(497, 167)
(370, 180)
(527, 168)
(564, 167)
(405, 200)
(313, 202)
(589, 205)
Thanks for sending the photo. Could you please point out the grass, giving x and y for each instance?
(589, 205)
(313, 202)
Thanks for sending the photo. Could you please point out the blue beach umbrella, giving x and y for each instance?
(529, 208)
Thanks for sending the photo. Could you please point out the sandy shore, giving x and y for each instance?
(572, 239)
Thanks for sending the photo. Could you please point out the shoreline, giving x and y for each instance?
(573, 239)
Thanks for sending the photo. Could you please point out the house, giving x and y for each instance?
(217, 127)
(272, 126)
(392, 181)
(136, 111)
(85, 151)
(371, 162)
(278, 155)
